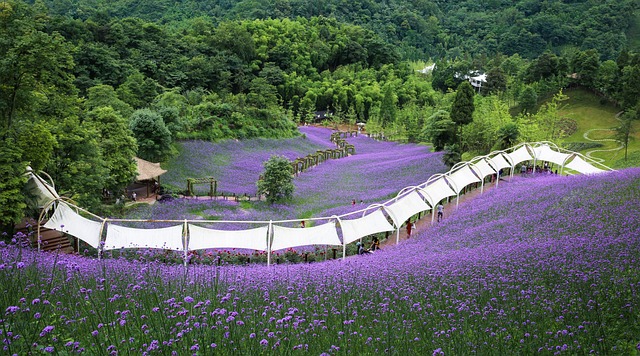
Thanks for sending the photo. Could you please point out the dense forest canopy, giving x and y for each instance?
(86, 85)
(419, 28)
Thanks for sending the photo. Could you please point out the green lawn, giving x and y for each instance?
(584, 107)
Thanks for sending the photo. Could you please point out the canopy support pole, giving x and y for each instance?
(184, 242)
(269, 243)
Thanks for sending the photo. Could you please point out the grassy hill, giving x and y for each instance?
(597, 121)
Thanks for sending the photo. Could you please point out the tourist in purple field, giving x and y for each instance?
(361, 249)
(409, 227)
(375, 244)
(440, 209)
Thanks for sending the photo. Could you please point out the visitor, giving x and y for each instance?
(302, 224)
(409, 226)
(133, 196)
(361, 202)
(523, 169)
(375, 244)
(353, 202)
(361, 249)
(440, 209)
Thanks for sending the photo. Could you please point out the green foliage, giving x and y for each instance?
(12, 181)
(463, 106)
(117, 145)
(624, 131)
(152, 135)
(77, 166)
(105, 96)
(36, 143)
(528, 99)
(277, 181)
(440, 130)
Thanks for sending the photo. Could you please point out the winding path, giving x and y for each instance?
(586, 137)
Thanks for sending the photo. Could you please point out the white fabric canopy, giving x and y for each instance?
(436, 191)
(482, 168)
(406, 207)
(168, 238)
(582, 166)
(285, 237)
(462, 178)
(519, 155)
(545, 153)
(366, 225)
(202, 238)
(65, 219)
(498, 162)
(42, 191)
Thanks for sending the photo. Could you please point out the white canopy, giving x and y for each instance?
(436, 191)
(406, 207)
(483, 168)
(42, 191)
(582, 166)
(65, 219)
(202, 238)
(168, 238)
(545, 153)
(519, 155)
(285, 237)
(366, 225)
(498, 162)
(462, 178)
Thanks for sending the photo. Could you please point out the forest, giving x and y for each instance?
(86, 85)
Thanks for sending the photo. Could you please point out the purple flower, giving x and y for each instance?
(264, 342)
(46, 330)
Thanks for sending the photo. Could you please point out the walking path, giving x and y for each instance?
(425, 222)
(586, 137)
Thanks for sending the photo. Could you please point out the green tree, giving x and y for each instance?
(624, 131)
(630, 87)
(496, 81)
(277, 180)
(34, 66)
(12, 181)
(103, 95)
(440, 130)
(152, 135)
(463, 106)
(77, 166)
(117, 145)
(528, 99)
(388, 110)
(37, 144)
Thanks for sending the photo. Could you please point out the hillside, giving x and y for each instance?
(420, 28)
(537, 265)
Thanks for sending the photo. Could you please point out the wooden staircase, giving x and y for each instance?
(52, 240)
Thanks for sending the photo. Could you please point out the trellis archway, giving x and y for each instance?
(213, 185)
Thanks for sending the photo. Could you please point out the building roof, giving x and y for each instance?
(148, 170)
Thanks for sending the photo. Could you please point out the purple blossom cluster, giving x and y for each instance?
(539, 265)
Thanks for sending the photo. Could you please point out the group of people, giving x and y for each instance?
(375, 246)
(375, 243)
(527, 168)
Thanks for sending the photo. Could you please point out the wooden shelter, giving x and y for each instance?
(148, 172)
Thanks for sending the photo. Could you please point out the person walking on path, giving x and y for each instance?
(440, 209)
(409, 227)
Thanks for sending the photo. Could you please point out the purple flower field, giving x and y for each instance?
(543, 265)
(376, 173)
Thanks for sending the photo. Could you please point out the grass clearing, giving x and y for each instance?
(585, 108)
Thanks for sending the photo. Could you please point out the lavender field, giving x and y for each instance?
(539, 265)
(377, 172)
